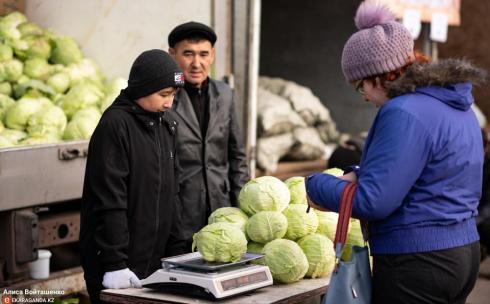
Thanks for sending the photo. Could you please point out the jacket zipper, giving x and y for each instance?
(157, 222)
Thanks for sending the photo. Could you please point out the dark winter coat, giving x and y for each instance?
(129, 191)
(215, 165)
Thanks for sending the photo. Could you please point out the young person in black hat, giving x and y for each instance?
(212, 160)
(127, 216)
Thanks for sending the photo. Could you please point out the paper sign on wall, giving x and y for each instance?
(438, 27)
(411, 20)
(427, 8)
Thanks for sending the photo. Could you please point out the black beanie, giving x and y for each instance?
(190, 29)
(152, 71)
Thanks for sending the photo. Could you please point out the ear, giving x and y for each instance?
(172, 52)
(378, 83)
(213, 51)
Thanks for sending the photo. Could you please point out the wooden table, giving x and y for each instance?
(298, 292)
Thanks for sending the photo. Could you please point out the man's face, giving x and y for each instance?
(195, 59)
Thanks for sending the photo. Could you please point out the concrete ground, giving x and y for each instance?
(481, 292)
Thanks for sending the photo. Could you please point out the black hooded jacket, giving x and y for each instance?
(129, 191)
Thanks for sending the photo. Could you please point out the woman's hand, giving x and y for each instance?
(350, 177)
(314, 205)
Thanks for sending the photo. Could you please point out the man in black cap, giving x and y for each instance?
(128, 213)
(212, 160)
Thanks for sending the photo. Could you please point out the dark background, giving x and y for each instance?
(302, 41)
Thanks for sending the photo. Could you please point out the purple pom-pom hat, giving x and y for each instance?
(381, 45)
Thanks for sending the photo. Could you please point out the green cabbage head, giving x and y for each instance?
(354, 238)
(48, 121)
(83, 124)
(39, 47)
(92, 113)
(60, 82)
(300, 223)
(265, 193)
(86, 70)
(112, 90)
(296, 185)
(15, 136)
(327, 223)
(220, 242)
(30, 29)
(265, 226)
(41, 140)
(286, 260)
(17, 116)
(334, 171)
(65, 51)
(320, 254)
(9, 23)
(5, 142)
(230, 215)
(37, 68)
(6, 52)
(79, 129)
(6, 88)
(253, 247)
(12, 70)
(80, 96)
(5, 103)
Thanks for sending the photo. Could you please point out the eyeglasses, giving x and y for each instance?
(360, 87)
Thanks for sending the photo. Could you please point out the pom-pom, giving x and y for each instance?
(371, 13)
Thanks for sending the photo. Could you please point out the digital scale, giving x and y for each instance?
(190, 274)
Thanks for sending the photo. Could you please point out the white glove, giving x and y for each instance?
(118, 279)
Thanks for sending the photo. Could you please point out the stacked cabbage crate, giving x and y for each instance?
(48, 91)
(272, 220)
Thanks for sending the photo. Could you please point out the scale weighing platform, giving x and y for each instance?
(190, 274)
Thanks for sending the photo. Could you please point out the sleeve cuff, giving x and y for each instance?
(354, 169)
(115, 266)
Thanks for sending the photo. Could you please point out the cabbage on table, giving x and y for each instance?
(320, 254)
(265, 226)
(300, 223)
(220, 242)
(297, 189)
(253, 247)
(354, 238)
(327, 223)
(265, 193)
(230, 215)
(334, 171)
(286, 260)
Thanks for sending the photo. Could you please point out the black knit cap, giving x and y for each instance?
(190, 29)
(152, 71)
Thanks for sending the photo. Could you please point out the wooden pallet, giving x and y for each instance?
(296, 168)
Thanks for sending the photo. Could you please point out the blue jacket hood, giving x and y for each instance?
(457, 95)
(449, 80)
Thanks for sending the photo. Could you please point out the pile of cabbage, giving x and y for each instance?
(48, 91)
(272, 220)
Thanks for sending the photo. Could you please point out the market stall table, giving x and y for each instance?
(298, 292)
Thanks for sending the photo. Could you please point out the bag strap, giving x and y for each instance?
(345, 211)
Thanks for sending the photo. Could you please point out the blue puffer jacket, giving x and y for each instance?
(421, 172)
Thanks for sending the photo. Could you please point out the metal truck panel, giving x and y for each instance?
(44, 174)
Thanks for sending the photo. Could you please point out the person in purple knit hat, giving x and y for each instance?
(420, 175)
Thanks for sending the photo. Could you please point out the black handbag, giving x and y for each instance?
(351, 280)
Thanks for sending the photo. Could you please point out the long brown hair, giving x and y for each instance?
(419, 57)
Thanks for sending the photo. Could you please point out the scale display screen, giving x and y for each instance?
(244, 280)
